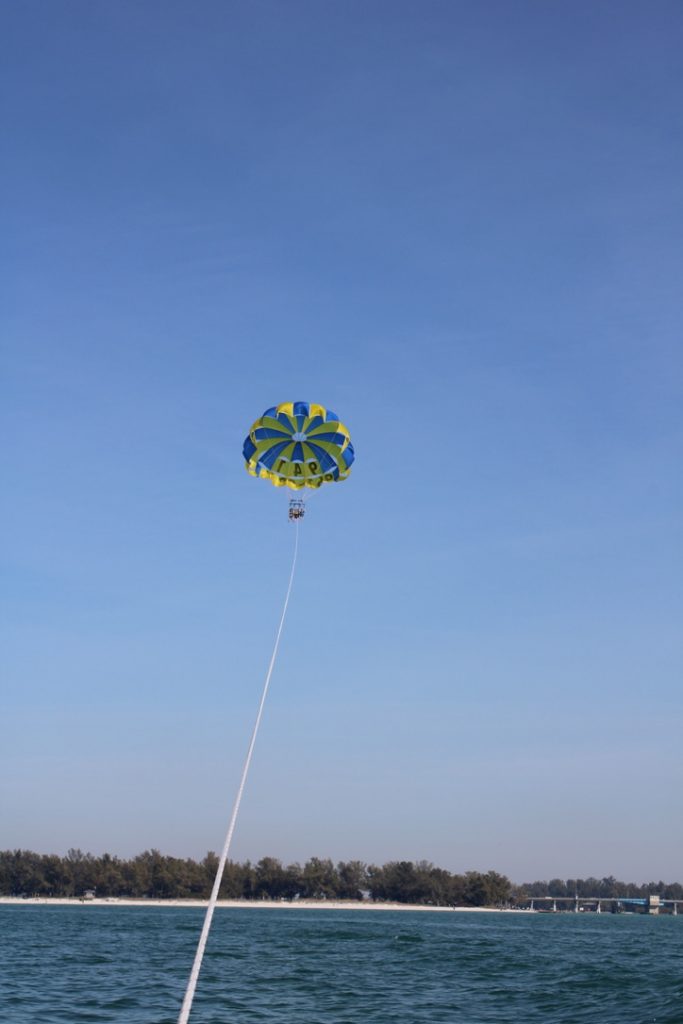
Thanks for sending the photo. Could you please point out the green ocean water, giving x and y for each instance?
(281, 966)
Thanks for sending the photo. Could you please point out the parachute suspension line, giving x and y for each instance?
(199, 955)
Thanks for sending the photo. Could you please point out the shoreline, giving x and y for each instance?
(115, 901)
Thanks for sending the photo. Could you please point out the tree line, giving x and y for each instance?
(156, 876)
(605, 888)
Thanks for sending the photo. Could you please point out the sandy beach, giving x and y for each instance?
(113, 901)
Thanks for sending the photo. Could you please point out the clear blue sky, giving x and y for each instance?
(458, 225)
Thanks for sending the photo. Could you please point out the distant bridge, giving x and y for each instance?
(653, 904)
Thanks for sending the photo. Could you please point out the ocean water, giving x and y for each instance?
(288, 966)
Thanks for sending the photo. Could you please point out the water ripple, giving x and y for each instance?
(65, 965)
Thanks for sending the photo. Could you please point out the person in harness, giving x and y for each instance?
(297, 509)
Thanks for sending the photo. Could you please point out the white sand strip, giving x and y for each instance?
(115, 901)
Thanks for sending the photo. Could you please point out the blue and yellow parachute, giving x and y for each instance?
(298, 444)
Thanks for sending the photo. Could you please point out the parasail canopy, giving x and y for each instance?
(298, 444)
